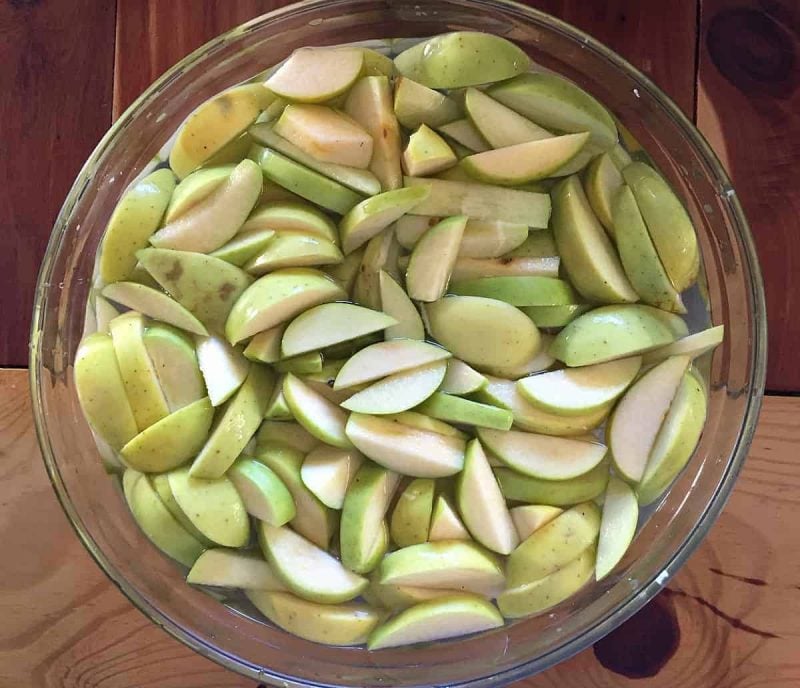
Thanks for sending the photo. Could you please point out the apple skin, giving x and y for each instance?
(411, 516)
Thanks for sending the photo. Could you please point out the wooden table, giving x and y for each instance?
(729, 618)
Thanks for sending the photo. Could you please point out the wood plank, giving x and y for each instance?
(56, 82)
(749, 110)
(727, 620)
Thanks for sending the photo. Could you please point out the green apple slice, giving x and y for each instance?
(374, 214)
(154, 304)
(381, 253)
(577, 391)
(326, 135)
(365, 506)
(601, 183)
(676, 440)
(229, 568)
(639, 414)
(554, 545)
(277, 408)
(176, 365)
(237, 424)
(482, 504)
(328, 472)
(377, 63)
(554, 316)
(315, 413)
(244, 246)
(329, 624)
(215, 220)
(518, 291)
(668, 222)
(396, 304)
(214, 124)
(277, 297)
(528, 518)
(466, 268)
(313, 520)
(457, 410)
(329, 324)
(213, 506)
(427, 153)
(398, 392)
(157, 522)
(542, 360)
(265, 347)
(138, 374)
(544, 593)
(104, 313)
(206, 286)
(387, 358)
(132, 224)
(406, 450)
(380, 545)
(262, 491)
(445, 523)
(307, 570)
(672, 321)
(693, 345)
(224, 368)
(347, 271)
(450, 564)
(160, 484)
(498, 124)
(482, 202)
(464, 132)
(423, 422)
(304, 182)
(462, 58)
(291, 435)
(293, 250)
(539, 244)
(588, 255)
(398, 597)
(461, 379)
(508, 336)
(553, 102)
(411, 517)
(101, 391)
(302, 364)
(543, 456)
(194, 188)
(617, 526)
(484, 239)
(610, 332)
(171, 441)
(415, 104)
(292, 216)
(432, 259)
(410, 228)
(233, 152)
(522, 488)
(313, 75)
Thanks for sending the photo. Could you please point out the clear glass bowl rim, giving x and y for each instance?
(637, 599)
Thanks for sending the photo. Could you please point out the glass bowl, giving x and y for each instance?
(683, 517)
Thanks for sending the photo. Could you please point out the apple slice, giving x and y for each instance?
(160, 484)
(518, 291)
(215, 123)
(693, 345)
(206, 286)
(265, 347)
(313, 75)
(601, 183)
(303, 364)
(415, 104)
(530, 517)
(132, 223)
(406, 450)
(482, 202)
(399, 392)
(457, 410)
(462, 131)
(432, 259)
(365, 506)
(244, 246)
(410, 228)
(617, 526)
(482, 504)
(104, 313)
(508, 336)
(461, 379)
(396, 304)
(399, 597)
(552, 317)
(347, 271)
(176, 365)
(292, 435)
(293, 250)
(543, 456)
(329, 324)
(262, 491)
(639, 414)
(538, 244)
(315, 413)
(215, 220)
(445, 523)
(427, 153)
(213, 506)
(608, 333)
(381, 253)
(542, 360)
(237, 424)
(171, 441)
(313, 520)
(387, 358)
(676, 440)
(498, 124)
(466, 268)
(522, 488)
(462, 58)
(544, 593)
(423, 422)
(328, 472)
(577, 391)
(277, 408)
(194, 188)
(224, 368)
(278, 297)
(236, 150)
(154, 304)
(230, 568)
(411, 517)
(292, 216)
(101, 391)
(307, 570)
(484, 239)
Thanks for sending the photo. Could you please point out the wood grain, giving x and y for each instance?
(66, 626)
(749, 109)
(55, 75)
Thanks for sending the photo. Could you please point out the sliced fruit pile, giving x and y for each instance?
(435, 400)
